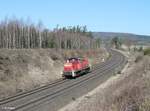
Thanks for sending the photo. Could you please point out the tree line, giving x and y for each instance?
(18, 34)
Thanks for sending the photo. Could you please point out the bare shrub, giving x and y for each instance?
(145, 105)
(138, 58)
(147, 51)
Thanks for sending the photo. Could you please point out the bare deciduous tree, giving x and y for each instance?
(19, 34)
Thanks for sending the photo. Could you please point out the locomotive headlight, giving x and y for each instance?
(73, 74)
(90, 65)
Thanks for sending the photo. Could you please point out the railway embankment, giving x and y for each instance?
(24, 69)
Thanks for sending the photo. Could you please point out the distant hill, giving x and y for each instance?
(140, 39)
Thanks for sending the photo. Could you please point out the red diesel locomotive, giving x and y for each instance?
(75, 67)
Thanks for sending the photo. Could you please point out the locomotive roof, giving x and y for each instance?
(75, 58)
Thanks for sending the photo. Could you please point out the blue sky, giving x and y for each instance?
(130, 16)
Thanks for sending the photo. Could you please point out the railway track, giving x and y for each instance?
(24, 94)
(26, 101)
(57, 82)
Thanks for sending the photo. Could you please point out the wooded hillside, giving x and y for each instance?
(18, 34)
